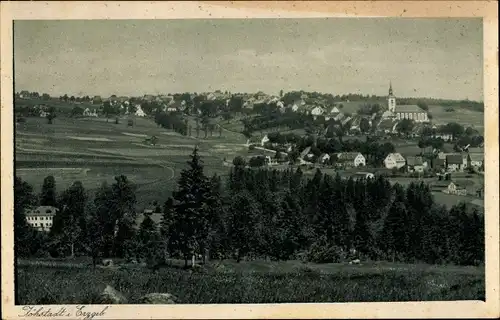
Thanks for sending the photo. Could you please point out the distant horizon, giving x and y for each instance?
(269, 94)
(422, 57)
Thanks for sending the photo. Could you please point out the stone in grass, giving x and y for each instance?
(112, 296)
(159, 298)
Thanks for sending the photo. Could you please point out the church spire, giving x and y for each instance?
(390, 88)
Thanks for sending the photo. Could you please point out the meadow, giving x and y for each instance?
(93, 151)
(254, 282)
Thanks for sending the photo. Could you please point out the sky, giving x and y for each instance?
(437, 58)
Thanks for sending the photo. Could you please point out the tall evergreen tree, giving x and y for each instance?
(23, 233)
(48, 194)
(123, 201)
(66, 230)
(190, 223)
(243, 212)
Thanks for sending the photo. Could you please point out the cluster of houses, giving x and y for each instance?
(445, 162)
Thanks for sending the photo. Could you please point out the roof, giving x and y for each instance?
(156, 217)
(396, 156)
(438, 161)
(476, 150)
(414, 161)
(305, 152)
(324, 155)
(408, 108)
(344, 156)
(454, 159)
(476, 157)
(42, 210)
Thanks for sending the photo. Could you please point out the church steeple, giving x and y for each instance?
(391, 100)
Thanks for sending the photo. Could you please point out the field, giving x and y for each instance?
(254, 282)
(94, 150)
(461, 115)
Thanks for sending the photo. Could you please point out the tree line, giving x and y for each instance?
(277, 215)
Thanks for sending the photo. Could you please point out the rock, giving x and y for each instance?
(158, 298)
(112, 296)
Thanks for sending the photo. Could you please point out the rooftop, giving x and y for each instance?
(408, 108)
(42, 211)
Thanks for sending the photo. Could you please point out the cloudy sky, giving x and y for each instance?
(439, 58)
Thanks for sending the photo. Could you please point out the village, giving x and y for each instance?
(421, 150)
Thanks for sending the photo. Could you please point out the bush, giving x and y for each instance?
(324, 253)
(251, 147)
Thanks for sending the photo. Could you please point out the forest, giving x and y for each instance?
(254, 214)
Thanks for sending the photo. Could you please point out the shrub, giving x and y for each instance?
(324, 253)
(251, 147)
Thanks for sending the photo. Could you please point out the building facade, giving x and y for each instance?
(41, 217)
(400, 112)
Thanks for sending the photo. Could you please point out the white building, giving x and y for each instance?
(317, 111)
(41, 217)
(400, 112)
(351, 159)
(88, 113)
(394, 160)
(264, 140)
(139, 112)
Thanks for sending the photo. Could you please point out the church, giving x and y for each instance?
(400, 112)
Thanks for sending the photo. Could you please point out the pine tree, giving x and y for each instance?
(149, 239)
(95, 236)
(107, 219)
(66, 231)
(166, 224)
(395, 234)
(242, 213)
(48, 193)
(190, 223)
(23, 233)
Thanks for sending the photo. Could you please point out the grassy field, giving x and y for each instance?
(255, 282)
(93, 151)
(463, 116)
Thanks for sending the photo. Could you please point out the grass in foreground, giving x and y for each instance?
(284, 282)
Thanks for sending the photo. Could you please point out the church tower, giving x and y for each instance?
(391, 100)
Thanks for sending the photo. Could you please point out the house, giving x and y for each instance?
(475, 160)
(317, 111)
(456, 189)
(43, 114)
(304, 155)
(156, 217)
(88, 113)
(338, 117)
(438, 164)
(394, 160)
(41, 217)
(351, 159)
(264, 140)
(139, 112)
(324, 158)
(335, 111)
(415, 164)
(454, 162)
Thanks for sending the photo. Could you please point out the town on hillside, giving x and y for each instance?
(301, 163)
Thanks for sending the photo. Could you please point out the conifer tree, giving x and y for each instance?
(48, 194)
(122, 209)
(149, 239)
(23, 233)
(190, 223)
(166, 231)
(66, 230)
(242, 215)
